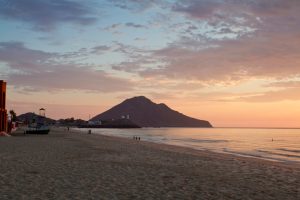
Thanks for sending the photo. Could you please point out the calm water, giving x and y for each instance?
(271, 144)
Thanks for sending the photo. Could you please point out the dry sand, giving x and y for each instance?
(65, 165)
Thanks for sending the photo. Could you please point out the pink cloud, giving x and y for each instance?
(270, 51)
(35, 70)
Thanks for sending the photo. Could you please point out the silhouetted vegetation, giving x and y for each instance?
(13, 115)
(71, 122)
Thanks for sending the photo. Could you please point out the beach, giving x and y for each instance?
(73, 165)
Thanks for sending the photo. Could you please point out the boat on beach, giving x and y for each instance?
(37, 130)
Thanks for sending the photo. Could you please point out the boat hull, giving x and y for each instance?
(40, 132)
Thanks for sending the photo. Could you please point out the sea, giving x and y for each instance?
(281, 145)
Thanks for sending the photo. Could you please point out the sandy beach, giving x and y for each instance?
(72, 165)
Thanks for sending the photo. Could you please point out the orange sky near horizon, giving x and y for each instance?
(284, 114)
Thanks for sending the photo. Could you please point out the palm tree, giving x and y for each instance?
(13, 115)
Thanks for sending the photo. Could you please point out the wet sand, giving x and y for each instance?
(70, 165)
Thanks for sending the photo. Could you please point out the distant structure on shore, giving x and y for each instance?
(145, 113)
(113, 123)
(42, 112)
(3, 111)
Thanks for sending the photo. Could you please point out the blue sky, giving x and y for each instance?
(95, 53)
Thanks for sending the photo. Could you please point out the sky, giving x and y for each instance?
(235, 63)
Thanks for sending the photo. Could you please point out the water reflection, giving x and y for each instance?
(274, 144)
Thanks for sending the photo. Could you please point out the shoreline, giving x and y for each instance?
(77, 165)
(237, 154)
(194, 151)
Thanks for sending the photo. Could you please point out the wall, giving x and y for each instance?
(3, 111)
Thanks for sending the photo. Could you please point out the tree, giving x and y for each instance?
(13, 115)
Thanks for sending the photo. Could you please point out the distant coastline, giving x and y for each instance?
(258, 127)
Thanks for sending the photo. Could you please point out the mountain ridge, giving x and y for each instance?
(146, 113)
(29, 116)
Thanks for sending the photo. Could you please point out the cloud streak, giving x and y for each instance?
(138, 5)
(46, 15)
(270, 50)
(35, 70)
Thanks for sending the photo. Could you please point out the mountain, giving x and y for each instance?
(28, 117)
(145, 113)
